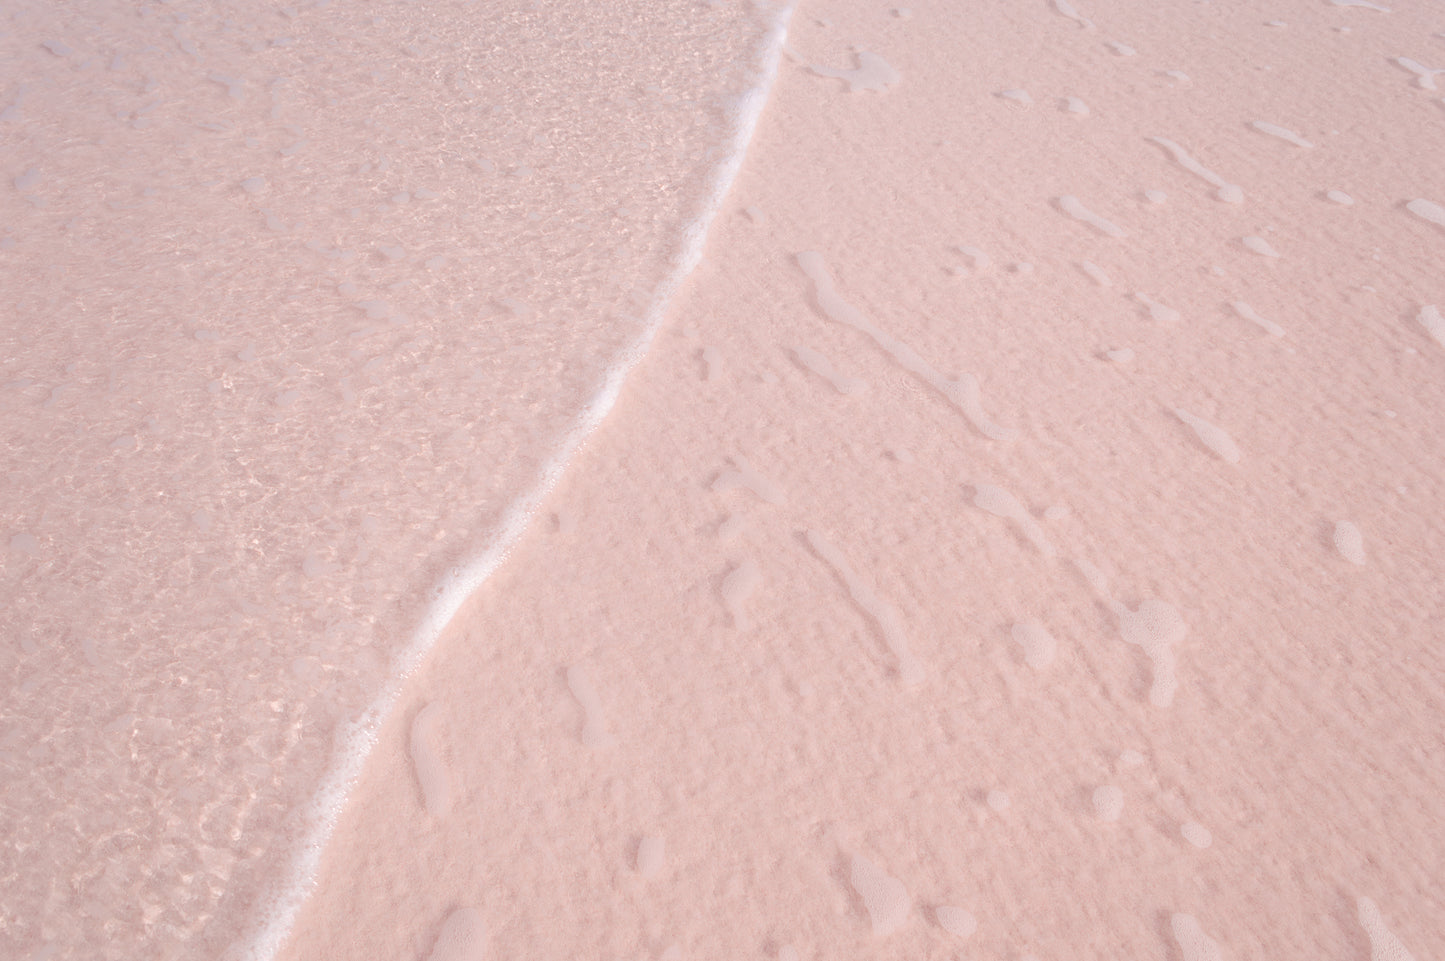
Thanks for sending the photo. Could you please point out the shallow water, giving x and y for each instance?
(301, 302)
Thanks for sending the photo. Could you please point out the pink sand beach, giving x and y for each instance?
(668, 480)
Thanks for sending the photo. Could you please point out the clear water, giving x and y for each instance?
(302, 307)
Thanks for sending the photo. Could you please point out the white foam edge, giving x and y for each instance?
(277, 917)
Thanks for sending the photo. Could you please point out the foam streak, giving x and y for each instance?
(962, 393)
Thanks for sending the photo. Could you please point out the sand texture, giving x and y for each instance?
(1023, 540)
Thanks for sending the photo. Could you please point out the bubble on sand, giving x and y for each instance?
(1067, 9)
(1350, 543)
(1074, 106)
(963, 392)
(1363, 4)
(1122, 355)
(462, 937)
(739, 584)
(711, 362)
(594, 727)
(1130, 758)
(1155, 628)
(1259, 246)
(731, 527)
(1075, 208)
(651, 853)
(1229, 193)
(1431, 319)
(742, 474)
(253, 185)
(1016, 95)
(1159, 313)
(873, 73)
(890, 625)
(1424, 76)
(1283, 133)
(1038, 644)
(1339, 197)
(1194, 944)
(1121, 49)
(820, 365)
(977, 258)
(1427, 210)
(1155, 196)
(998, 800)
(1093, 575)
(885, 898)
(1248, 313)
(1108, 802)
(431, 772)
(1384, 945)
(1001, 503)
(956, 921)
(1213, 437)
(1095, 273)
(1196, 834)
(58, 47)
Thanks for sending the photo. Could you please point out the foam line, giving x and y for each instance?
(274, 922)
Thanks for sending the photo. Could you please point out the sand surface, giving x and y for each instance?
(1023, 540)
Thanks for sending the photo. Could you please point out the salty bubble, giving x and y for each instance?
(1108, 802)
(1196, 834)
